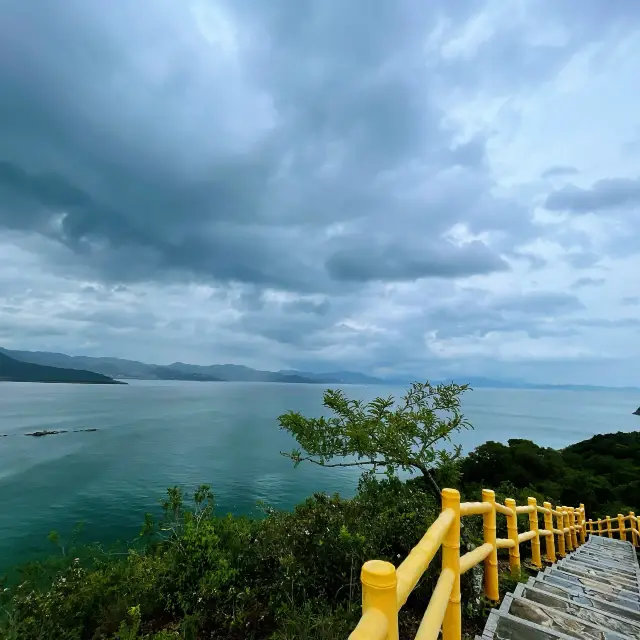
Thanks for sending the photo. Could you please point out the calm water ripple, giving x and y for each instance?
(152, 435)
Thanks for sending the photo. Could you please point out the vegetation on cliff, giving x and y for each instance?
(603, 472)
(195, 574)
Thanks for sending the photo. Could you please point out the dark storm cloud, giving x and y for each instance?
(604, 195)
(271, 177)
(389, 262)
(150, 151)
(528, 313)
(135, 142)
(318, 308)
(116, 318)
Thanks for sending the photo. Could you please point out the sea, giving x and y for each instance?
(151, 435)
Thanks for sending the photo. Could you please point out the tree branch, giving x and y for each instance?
(426, 472)
(378, 463)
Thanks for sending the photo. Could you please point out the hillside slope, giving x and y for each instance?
(17, 371)
(603, 472)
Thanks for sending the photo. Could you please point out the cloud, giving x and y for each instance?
(215, 165)
(587, 281)
(389, 263)
(319, 185)
(532, 314)
(603, 195)
(559, 172)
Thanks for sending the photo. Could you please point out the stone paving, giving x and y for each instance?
(592, 594)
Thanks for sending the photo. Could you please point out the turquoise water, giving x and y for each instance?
(152, 435)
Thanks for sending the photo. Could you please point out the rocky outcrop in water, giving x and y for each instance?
(53, 432)
(637, 412)
(39, 434)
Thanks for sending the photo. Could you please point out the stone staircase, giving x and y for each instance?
(593, 593)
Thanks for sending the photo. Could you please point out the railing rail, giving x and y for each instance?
(622, 529)
(385, 588)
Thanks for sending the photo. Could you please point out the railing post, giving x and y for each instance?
(550, 543)
(583, 524)
(560, 521)
(512, 532)
(590, 527)
(600, 529)
(491, 590)
(379, 591)
(568, 542)
(609, 532)
(621, 527)
(572, 525)
(452, 623)
(634, 528)
(536, 561)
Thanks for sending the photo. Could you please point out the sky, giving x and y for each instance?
(400, 188)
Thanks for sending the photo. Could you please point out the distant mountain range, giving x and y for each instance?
(122, 369)
(132, 369)
(12, 370)
(340, 377)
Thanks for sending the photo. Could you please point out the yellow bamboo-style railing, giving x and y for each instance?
(622, 529)
(386, 588)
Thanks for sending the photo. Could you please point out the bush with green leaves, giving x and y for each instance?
(295, 574)
(233, 577)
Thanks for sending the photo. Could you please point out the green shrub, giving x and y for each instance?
(602, 472)
(230, 576)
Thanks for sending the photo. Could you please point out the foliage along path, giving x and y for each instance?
(593, 593)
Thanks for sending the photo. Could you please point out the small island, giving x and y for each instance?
(12, 370)
(46, 432)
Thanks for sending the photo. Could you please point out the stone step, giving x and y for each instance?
(615, 580)
(585, 590)
(610, 546)
(553, 602)
(555, 619)
(601, 585)
(620, 553)
(504, 626)
(600, 563)
(594, 555)
(593, 593)
(579, 597)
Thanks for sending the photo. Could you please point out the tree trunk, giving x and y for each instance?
(431, 482)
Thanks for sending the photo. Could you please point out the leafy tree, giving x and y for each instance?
(382, 434)
(601, 472)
